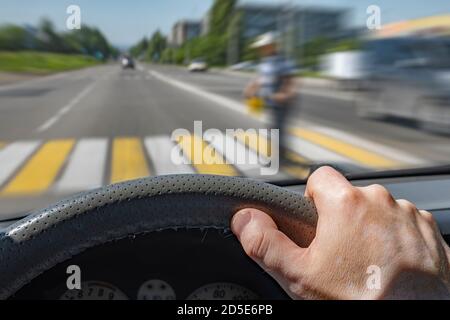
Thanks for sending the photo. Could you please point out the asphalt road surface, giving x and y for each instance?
(76, 131)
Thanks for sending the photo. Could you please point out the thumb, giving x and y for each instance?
(269, 247)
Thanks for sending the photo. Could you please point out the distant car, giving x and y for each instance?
(409, 78)
(198, 65)
(127, 63)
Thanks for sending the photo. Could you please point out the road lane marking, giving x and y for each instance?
(397, 158)
(128, 160)
(297, 172)
(41, 170)
(245, 159)
(256, 142)
(85, 167)
(261, 144)
(217, 99)
(315, 153)
(2, 144)
(395, 154)
(12, 157)
(358, 155)
(161, 150)
(50, 122)
(204, 157)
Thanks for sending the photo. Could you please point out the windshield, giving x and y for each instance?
(94, 93)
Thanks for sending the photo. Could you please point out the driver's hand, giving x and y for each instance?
(367, 246)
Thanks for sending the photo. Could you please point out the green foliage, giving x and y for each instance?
(140, 48)
(42, 62)
(87, 40)
(154, 50)
(345, 45)
(12, 38)
(212, 47)
(221, 15)
(156, 47)
(309, 54)
(249, 53)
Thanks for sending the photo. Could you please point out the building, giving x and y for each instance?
(185, 30)
(296, 25)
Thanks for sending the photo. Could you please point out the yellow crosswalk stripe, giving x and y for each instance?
(300, 171)
(204, 158)
(297, 172)
(294, 157)
(40, 171)
(348, 150)
(128, 160)
(261, 145)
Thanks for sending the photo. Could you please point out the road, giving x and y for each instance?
(75, 131)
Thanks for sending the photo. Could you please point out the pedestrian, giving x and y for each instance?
(275, 85)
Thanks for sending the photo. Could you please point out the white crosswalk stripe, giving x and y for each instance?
(86, 166)
(12, 157)
(314, 152)
(89, 164)
(244, 159)
(166, 157)
(393, 153)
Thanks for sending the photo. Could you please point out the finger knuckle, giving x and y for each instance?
(407, 206)
(380, 192)
(257, 246)
(350, 196)
(428, 216)
(324, 171)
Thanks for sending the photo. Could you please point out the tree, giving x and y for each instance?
(12, 38)
(87, 40)
(156, 47)
(48, 38)
(221, 15)
(219, 35)
(213, 46)
(91, 41)
(140, 48)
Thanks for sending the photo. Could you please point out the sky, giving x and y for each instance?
(126, 22)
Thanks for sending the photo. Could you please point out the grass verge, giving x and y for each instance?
(42, 62)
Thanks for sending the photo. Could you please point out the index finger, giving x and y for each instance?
(326, 187)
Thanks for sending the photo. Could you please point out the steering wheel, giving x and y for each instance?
(51, 236)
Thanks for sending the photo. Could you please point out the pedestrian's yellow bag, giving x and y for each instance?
(255, 105)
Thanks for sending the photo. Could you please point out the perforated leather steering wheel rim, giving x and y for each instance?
(53, 235)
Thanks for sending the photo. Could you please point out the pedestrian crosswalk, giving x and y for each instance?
(128, 160)
(358, 155)
(64, 166)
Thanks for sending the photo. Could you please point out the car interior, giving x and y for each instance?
(168, 237)
(131, 133)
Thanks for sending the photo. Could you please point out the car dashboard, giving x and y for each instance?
(204, 265)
